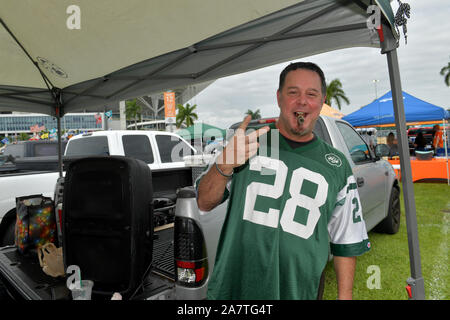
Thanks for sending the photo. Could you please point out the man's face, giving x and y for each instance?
(302, 92)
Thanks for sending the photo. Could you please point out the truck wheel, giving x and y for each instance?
(391, 223)
(7, 231)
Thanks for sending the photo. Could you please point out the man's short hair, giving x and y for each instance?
(303, 65)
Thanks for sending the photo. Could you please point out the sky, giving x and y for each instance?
(226, 100)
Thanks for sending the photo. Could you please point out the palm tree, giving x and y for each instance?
(255, 115)
(335, 92)
(133, 111)
(186, 115)
(445, 71)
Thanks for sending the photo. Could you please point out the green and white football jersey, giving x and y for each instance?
(287, 208)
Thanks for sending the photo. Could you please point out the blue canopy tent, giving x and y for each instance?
(381, 112)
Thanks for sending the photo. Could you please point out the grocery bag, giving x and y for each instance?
(51, 260)
(35, 222)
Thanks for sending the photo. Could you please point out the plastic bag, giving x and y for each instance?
(51, 260)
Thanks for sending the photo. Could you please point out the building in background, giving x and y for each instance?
(112, 117)
(16, 123)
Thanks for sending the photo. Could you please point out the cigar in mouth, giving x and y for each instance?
(300, 117)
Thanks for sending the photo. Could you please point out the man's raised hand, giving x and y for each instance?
(241, 147)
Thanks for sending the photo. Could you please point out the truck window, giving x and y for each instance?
(89, 146)
(138, 147)
(172, 148)
(47, 149)
(359, 151)
(321, 131)
(16, 150)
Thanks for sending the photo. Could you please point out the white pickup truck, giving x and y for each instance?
(184, 251)
(153, 147)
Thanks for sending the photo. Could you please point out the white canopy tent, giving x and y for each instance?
(126, 49)
(142, 47)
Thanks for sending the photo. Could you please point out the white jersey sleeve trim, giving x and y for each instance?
(346, 225)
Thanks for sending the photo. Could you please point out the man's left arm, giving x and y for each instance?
(348, 236)
(345, 271)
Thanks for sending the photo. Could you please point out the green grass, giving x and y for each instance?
(391, 254)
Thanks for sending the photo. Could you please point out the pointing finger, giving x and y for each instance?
(245, 123)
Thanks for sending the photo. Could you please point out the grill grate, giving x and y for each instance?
(163, 257)
(197, 171)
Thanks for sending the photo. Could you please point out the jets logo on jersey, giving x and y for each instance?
(333, 159)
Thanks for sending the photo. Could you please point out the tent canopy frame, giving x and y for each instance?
(61, 99)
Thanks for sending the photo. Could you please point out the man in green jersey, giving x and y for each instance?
(287, 205)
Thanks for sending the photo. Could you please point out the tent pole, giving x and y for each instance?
(416, 282)
(445, 148)
(58, 121)
(56, 92)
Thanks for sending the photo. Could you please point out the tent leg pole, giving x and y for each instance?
(57, 96)
(416, 281)
(445, 148)
(60, 165)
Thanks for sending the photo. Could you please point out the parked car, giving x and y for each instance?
(28, 156)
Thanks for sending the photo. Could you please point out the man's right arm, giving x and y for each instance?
(211, 187)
